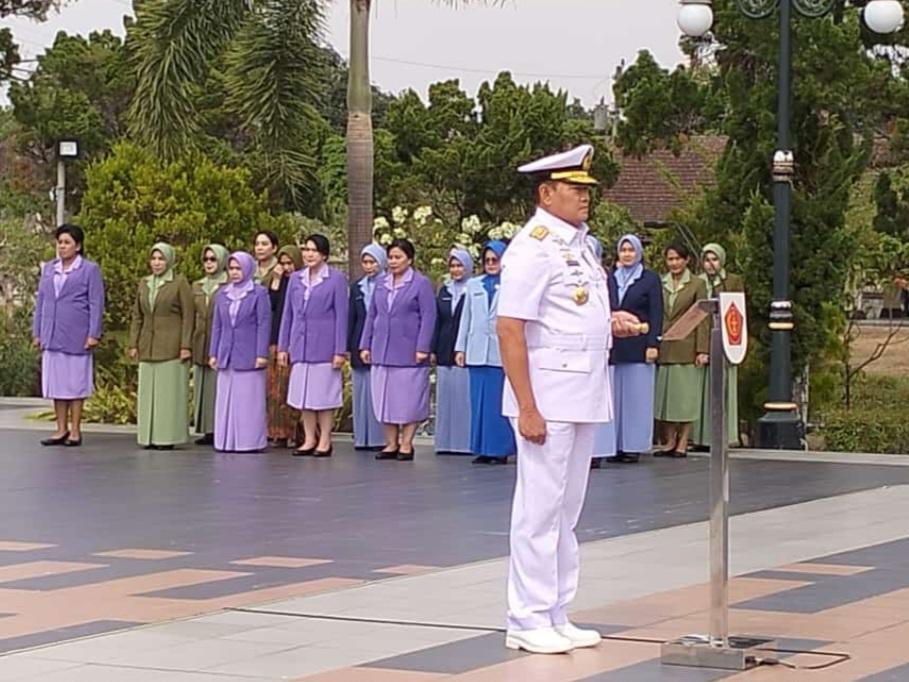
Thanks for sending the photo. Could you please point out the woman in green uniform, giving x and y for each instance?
(718, 280)
(678, 383)
(160, 338)
(214, 263)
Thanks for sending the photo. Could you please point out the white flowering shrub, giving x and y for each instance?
(434, 238)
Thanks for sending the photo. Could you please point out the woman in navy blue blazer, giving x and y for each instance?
(368, 432)
(639, 291)
(452, 432)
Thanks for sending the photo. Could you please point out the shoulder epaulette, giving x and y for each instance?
(540, 233)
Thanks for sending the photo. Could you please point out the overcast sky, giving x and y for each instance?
(574, 44)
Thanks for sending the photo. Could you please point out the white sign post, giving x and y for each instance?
(728, 344)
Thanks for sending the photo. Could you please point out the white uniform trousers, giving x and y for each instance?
(548, 499)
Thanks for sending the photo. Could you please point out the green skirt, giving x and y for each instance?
(204, 391)
(700, 430)
(678, 393)
(163, 403)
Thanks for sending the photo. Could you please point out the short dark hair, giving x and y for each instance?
(404, 245)
(272, 237)
(679, 248)
(321, 242)
(73, 231)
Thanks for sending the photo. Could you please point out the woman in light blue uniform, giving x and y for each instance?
(604, 445)
(452, 432)
(368, 432)
(477, 347)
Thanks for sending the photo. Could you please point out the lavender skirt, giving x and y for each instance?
(65, 376)
(400, 395)
(315, 387)
(241, 418)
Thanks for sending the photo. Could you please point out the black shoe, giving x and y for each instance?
(56, 441)
(663, 453)
(676, 454)
(72, 443)
(387, 454)
(163, 448)
(279, 443)
(405, 456)
(627, 458)
(304, 452)
(482, 459)
(207, 439)
(597, 462)
(323, 453)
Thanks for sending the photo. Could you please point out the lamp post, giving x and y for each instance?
(781, 427)
(67, 150)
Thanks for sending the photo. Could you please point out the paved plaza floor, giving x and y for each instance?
(118, 564)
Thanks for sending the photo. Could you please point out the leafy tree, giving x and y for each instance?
(33, 9)
(80, 89)
(134, 200)
(9, 54)
(843, 94)
(459, 154)
(661, 109)
(266, 53)
(891, 196)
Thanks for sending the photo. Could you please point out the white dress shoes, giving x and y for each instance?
(539, 641)
(579, 638)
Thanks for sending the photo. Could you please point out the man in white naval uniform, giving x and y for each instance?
(555, 328)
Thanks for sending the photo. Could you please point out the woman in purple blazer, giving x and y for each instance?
(397, 340)
(313, 338)
(67, 327)
(241, 329)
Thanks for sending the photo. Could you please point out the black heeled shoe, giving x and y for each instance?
(56, 441)
(72, 442)
(405, 456)
(304, 452)
(386, 455)
(324, 453)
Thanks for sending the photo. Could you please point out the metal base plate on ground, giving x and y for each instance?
(696, 651)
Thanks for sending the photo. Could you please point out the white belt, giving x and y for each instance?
(540, 338)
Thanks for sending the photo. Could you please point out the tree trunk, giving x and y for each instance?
(360, 150)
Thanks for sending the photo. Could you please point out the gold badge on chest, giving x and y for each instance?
(581, 295)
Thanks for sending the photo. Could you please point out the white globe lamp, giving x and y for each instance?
(696, 17)
(884, 16)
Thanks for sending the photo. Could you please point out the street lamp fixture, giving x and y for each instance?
(781, 427)
(68, 149)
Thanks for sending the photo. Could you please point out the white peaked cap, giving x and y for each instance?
(572, 166)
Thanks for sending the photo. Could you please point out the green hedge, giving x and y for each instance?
(877, 422)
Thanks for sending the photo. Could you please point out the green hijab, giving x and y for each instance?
(292, 252)
(155, 282)
(210, 283)
(719, 277)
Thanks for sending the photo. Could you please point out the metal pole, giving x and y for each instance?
(780, 427)
(61, 192)
(719, 491)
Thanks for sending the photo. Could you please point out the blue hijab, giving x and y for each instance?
(459, 288)
(626, 275)
(491, 282)
(368, 284)
(596, 246)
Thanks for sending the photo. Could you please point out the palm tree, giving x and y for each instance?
(270, 52)
(266, 53)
